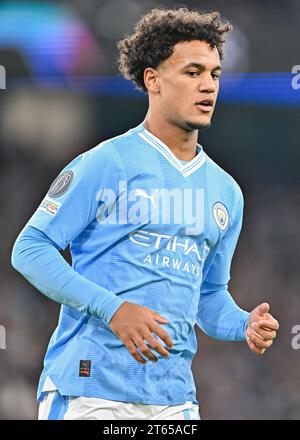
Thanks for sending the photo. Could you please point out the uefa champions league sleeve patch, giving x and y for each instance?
(61, 184)
(221, 215)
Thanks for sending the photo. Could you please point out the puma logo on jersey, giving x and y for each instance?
(176, 206)
(142, 193)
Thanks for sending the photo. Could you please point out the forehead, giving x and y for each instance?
(193, 52)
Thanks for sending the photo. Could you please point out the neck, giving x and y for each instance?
(181, 142)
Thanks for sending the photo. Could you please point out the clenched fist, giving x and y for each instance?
(262, 328)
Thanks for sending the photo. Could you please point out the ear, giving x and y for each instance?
(151, 80)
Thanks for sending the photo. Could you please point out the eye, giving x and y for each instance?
(192, 74)
(216, 76)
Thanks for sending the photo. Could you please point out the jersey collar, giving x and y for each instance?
(187, 169)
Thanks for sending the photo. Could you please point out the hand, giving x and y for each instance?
(262, 328)
(133, 324)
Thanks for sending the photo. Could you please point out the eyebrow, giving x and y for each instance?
(201, 66)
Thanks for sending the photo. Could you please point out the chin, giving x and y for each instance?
(198, 125)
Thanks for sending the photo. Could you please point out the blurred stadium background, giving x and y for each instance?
(63, 96)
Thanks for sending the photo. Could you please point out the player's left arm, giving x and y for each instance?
(218, 314)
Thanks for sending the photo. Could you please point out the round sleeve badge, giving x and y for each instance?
(61, 184)
(221, 215)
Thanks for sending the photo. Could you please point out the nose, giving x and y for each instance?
(207, 84)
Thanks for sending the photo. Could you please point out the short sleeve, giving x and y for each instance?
(219, 271)
(71, 202)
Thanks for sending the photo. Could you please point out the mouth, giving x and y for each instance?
(206, 105)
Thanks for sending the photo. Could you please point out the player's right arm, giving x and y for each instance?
(69, 207)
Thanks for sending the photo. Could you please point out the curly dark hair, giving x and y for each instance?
(156, 34)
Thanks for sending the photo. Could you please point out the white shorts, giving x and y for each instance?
(57, 407)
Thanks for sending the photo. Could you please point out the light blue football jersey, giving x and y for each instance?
(154, 231)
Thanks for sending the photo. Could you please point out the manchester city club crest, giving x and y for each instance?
(221, 215)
